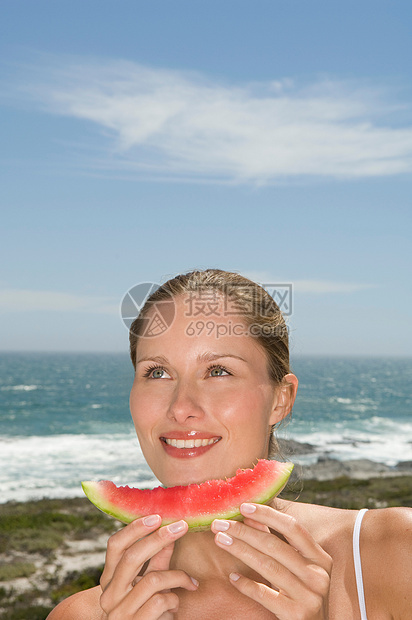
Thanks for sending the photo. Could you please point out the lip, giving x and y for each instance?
(188, 435)
(187, 453)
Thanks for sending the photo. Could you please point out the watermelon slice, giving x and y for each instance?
(198, 504)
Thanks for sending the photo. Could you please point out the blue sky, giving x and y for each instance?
(141, 139)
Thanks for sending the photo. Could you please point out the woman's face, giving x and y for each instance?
(202, 402)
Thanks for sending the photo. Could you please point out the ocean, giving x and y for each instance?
(65, 418)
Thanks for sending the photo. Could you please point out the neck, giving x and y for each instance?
(198, 555)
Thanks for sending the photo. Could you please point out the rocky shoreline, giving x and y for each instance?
(50, 549)
(327, 468)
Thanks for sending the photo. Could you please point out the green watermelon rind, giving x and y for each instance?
(198, 522)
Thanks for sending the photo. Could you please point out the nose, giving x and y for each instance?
(185, 404)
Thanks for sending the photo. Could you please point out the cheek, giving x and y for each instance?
(147, 410)
(255, 400)
(133, 404)
(139, 411)
(249, 414)
(248, 425)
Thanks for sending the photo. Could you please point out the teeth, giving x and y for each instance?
(190, 443)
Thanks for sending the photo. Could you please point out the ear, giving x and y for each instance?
(284, 398)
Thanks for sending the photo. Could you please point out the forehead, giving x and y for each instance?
(207, 306)
(201, 322)
(207, 302)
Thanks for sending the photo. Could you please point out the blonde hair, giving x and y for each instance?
(260, 313)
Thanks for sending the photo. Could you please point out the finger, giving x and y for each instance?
(297, 535)
(137, 554)
(273, 571)
(124, 538)
(267, 543)
(284, 607)
(157, 605)
(271, 599)
(153, 583)
(159, 581)
(161, 560)
(256, 524)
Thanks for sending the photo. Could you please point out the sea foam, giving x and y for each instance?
(54, 466)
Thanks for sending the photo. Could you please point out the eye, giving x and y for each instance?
(218, 371)
(158, 372)
(155, 372)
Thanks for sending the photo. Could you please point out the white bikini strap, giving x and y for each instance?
(357, 561)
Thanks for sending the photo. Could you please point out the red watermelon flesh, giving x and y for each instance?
(198, 504)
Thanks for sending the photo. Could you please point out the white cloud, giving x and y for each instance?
(181, 125)
(325, 286)
(26, 300)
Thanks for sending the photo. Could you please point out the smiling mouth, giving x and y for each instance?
(190, 443)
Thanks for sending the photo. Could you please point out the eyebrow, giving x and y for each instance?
(209, 356)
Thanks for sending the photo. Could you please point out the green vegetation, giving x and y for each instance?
(12, 570)
(33, 612)
(41, 527)
(75, 582)
(352, 494)
(22, 606)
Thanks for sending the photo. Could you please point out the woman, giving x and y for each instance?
(212, 380)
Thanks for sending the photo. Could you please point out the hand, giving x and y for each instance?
(297, 571)
(128, 596)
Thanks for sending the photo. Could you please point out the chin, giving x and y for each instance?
(185, 472)
(185, 479)
(193, 477)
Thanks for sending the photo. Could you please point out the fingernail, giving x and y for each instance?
(221, 526)
(224, 538)
(247, 508)
(151, 520)
(195, 581)
(234, 576)
(174, 528)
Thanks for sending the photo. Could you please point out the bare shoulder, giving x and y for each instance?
(79, 607)
(387, 537)
(394, 520)
(391, 530)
